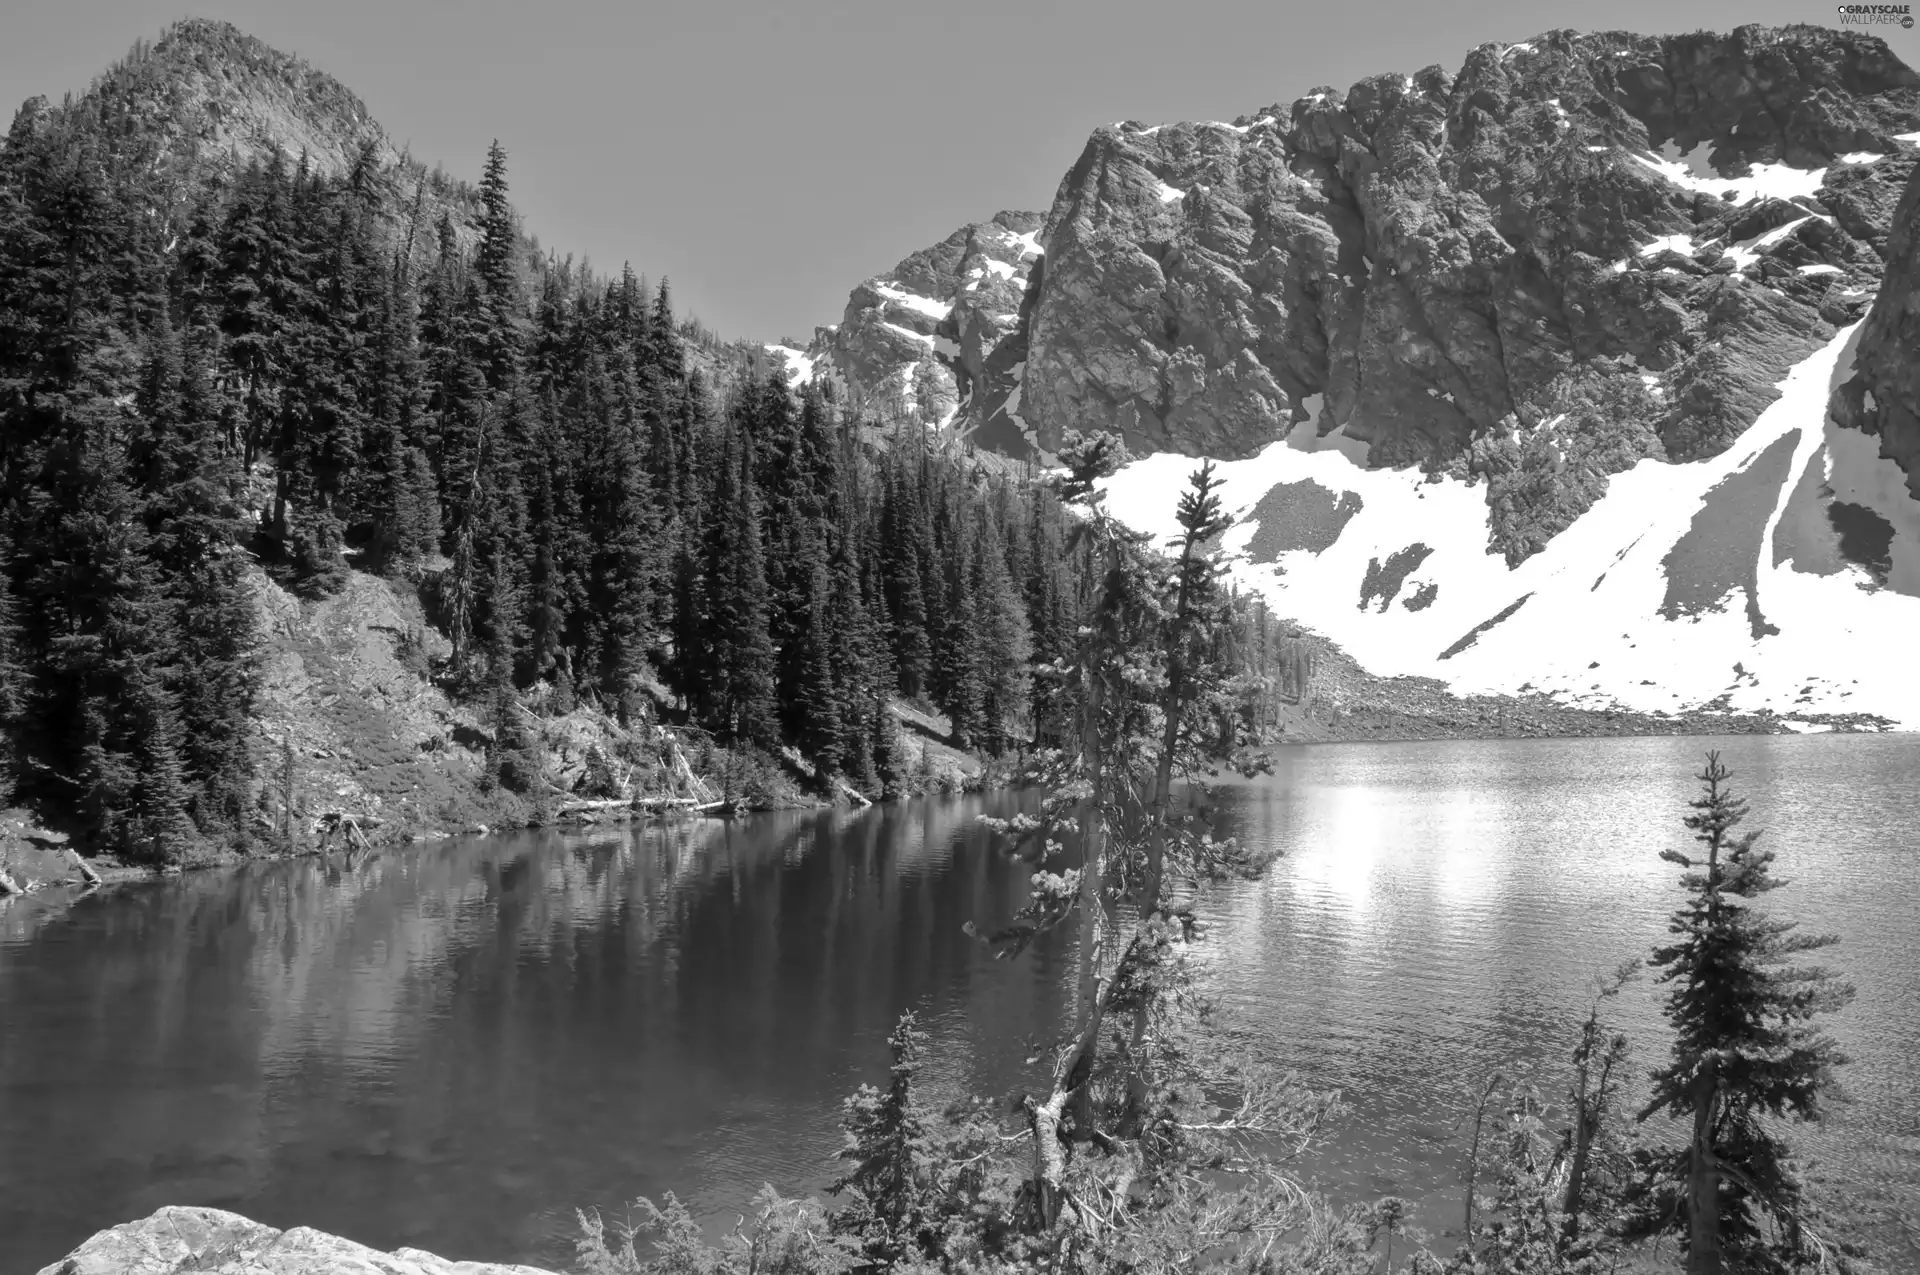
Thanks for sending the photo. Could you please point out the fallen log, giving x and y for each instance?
(859, 798)
(87, 874)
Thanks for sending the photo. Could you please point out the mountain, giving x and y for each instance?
(1521, 372)
(330, 501)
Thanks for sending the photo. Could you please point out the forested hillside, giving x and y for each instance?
(202, 370)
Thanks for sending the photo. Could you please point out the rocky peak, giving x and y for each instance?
(227, 97)
(1456, 270)
(920, 341)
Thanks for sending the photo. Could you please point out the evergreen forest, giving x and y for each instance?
(209, 373)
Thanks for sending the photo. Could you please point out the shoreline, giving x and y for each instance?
(39, 861)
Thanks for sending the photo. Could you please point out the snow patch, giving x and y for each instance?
(1747, 251)
(1682, 244)
(998, 267)
(1169, 194)
(913, 301)
(1820, 269)
(909, 333)
(1773, 181)
(1599, 592)
(1029, 244)
(799, 366)
(1861, 157)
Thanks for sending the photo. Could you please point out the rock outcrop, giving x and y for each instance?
(1882, 397)
(928, 340)
(1575, 252)
(177, 1240)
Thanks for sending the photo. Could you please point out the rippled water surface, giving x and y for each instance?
(453, 1047)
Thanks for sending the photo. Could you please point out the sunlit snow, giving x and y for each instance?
(1776, 181)
(908, 333)
(1028, 243)
(1169, 194)
(913, 301)
(1861, 157)
(1747, 251)
(799, 366)
(1592, 630)
(1682, 244)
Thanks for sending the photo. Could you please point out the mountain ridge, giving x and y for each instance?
(1579, 256)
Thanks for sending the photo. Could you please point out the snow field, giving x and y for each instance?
(1591, 629)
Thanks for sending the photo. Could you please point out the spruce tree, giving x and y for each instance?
(1746, 1048)
(734, 654)
(12, 674)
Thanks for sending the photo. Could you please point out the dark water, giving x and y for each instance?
(454, 1047)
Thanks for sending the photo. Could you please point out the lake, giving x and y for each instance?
(454, 1046)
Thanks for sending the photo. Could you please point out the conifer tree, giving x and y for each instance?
(735, 653)
(497, 303)
(12, 674)
(1746, 1049)
(902, 553)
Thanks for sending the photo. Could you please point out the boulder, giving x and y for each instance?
(179, 1239)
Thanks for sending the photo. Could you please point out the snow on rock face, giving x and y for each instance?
(1375, 245)
(1344, 251)
(929, 340)
(1794, 544)
(1881, 399)
(1569, 280)
(799, 366)
(1773, 181)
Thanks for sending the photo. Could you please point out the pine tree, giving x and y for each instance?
(887, 1146)
(735, 652)
(191, 487)
(1003, 647)
(1746, 1048)
(902, 551)
(12, 674)
(816, 706)
(497, 303)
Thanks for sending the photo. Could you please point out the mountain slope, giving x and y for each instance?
(1499, 357)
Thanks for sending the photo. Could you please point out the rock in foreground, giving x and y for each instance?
(215, 1242)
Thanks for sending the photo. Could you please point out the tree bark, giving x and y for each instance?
(1092, 870)
(1703, 1187)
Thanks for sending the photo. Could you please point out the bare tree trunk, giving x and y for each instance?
(1703, 1187)
(1473, 1155)
(1174, 710)
(1092, 869)
(1071, 1074)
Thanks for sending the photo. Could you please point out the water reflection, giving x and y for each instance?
(453, 1047)
(457, 1046)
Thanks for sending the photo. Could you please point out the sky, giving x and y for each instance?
(768, 157)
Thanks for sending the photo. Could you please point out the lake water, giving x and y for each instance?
(453, 1047)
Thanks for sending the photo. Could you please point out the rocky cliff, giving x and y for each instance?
(1882, 398)
(1424, 262)
(1548, 337)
